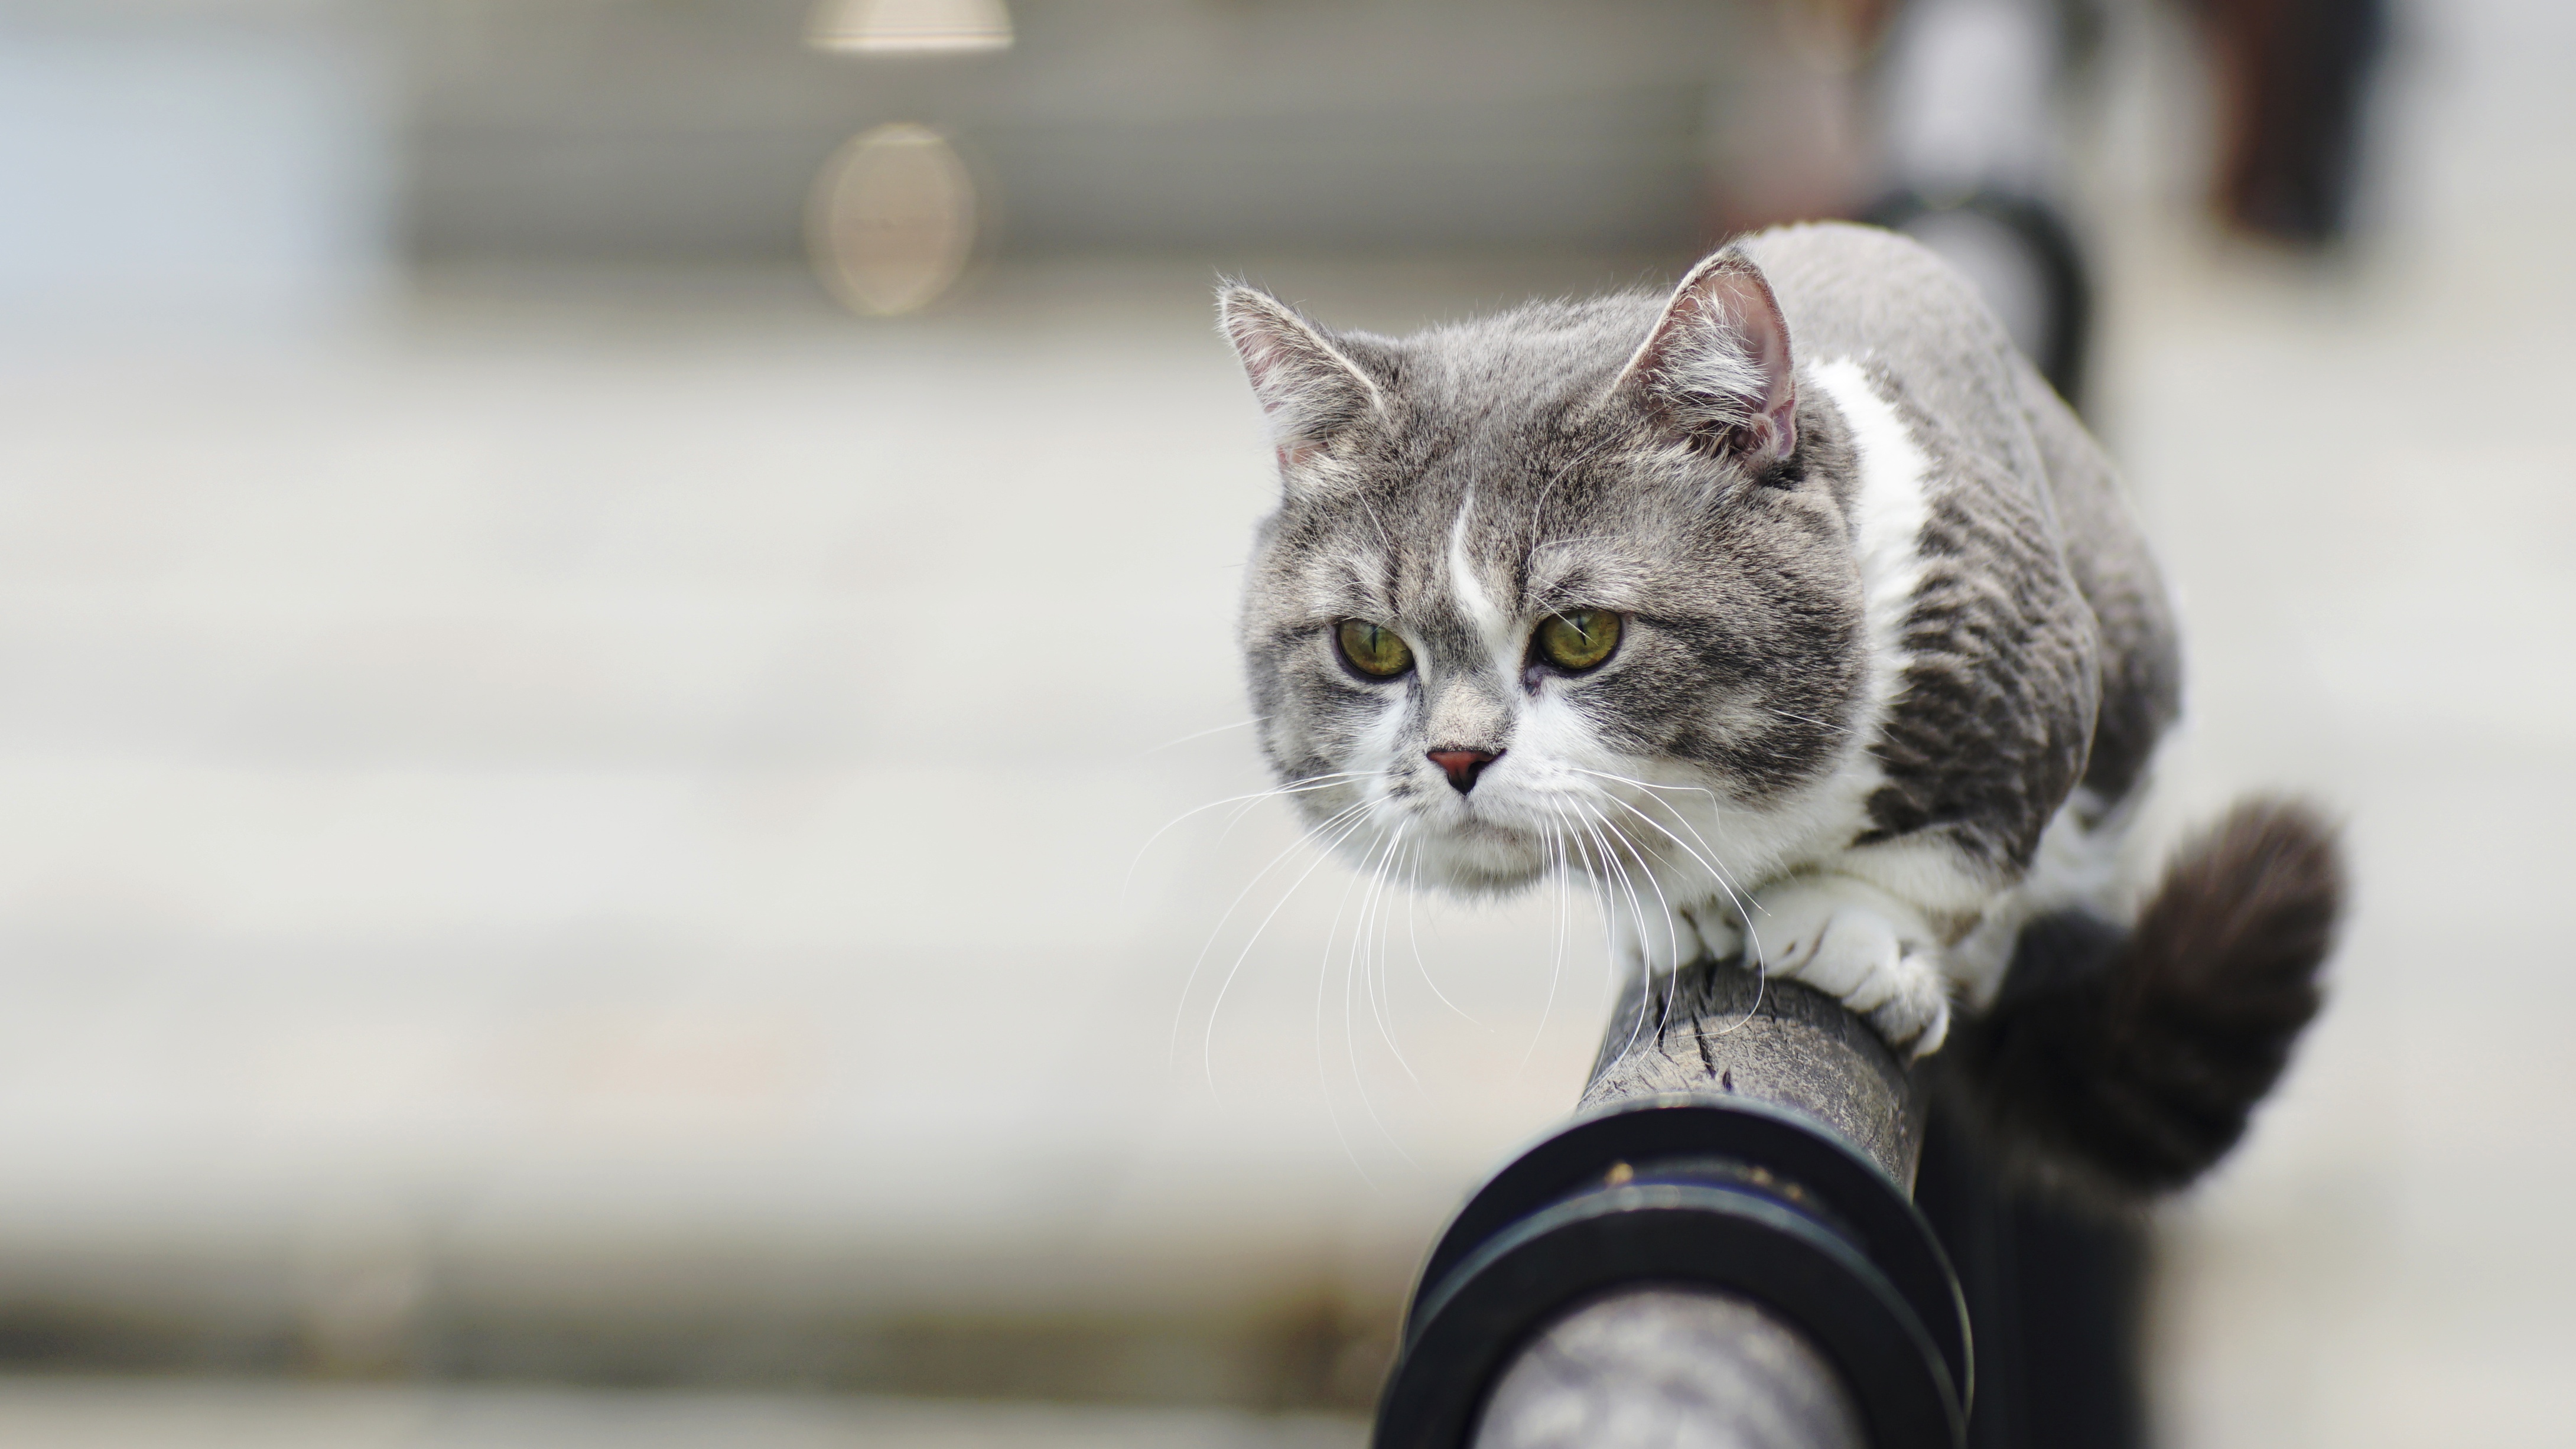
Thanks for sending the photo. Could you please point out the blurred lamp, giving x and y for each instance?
(892, 220)
(908, 27)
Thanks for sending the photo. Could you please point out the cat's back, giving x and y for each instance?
(1847, 287)
(1913, 321)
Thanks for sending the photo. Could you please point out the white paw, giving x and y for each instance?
(1653, 944)
(1719, 940)
(1670, 940)
(1861, 946)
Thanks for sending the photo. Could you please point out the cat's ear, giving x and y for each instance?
(1311, 389)
(1717, 364)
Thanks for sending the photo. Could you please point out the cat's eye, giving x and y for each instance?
(1373, 649)
(1578, 638)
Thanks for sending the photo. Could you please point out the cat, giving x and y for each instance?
(1795, 612)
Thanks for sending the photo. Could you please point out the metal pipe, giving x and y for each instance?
(1645, 1368)
(1717, 1027)
(1718, 1250)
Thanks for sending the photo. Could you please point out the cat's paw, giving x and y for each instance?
(1719, 940)
(1860, 946)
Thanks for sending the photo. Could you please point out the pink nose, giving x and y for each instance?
(1464, 766)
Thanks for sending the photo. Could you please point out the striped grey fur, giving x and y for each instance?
(1886, 622)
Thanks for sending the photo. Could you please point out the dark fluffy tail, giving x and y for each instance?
(2128, 1061)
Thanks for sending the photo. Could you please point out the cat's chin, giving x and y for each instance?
(1486, 861)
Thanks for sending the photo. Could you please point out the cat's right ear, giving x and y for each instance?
(1310, 390)
(1717, 367)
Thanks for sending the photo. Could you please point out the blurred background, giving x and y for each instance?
(623, 809)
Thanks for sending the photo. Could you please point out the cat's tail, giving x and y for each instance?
(2129, 1060)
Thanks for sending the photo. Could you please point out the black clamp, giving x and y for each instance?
(1724, 1191)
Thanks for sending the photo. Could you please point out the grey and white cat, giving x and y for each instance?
(1792, 608)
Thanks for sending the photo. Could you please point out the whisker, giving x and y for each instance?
(1412, 894)
(1358, 817)
(1561, 869)
(1716, 801)
(1744, 908)
(1538, 505)
(1254, 803)
(1706, 862)
(1377, 977)
(1636, 912)
(1323, 1073)
(1672, 929)
(1351, 1049)
(1321, 826)
(1306, 786)
(1761, 984)
(1712, 867)
(1370, 971)
(1744, 912)
(1198, 735)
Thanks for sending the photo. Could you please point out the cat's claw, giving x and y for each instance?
(1860, 946)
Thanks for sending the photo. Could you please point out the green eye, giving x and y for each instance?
(1373, 649)
(1579, 639)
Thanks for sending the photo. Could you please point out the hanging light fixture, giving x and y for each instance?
(892, 220)
(908, 27)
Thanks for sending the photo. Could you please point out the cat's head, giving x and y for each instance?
(1528, 571)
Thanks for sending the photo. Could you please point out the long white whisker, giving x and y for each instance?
(1208, 1047)
(1254, 802)
(1294, 787)
(1711, 866)
(1371, 974)
(1538, 505)
(1181, 1007)
(1744, 913)
(1706, 861)
(1805, 719)
(1413, 933)
(1761, 984)
(1672, 978)
(1198, 735)
(1636, 913)
(1323, 1072)
(1744, 909)
(1556, 969)
(1351, 1049)
(1716, 801)
(1333, 932)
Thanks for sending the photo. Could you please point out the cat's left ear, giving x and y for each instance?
(1311, 390)
(1717, 364)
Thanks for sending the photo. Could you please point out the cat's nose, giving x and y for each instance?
(1464, 766)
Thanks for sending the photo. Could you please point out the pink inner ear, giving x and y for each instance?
(1275, 367)
(1723, 337)
(1740, 301)
(1309, 390)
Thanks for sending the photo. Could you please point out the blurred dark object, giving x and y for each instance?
(2055, 1294)
(2027, 263)
(2294, 80)
(1968, 96)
